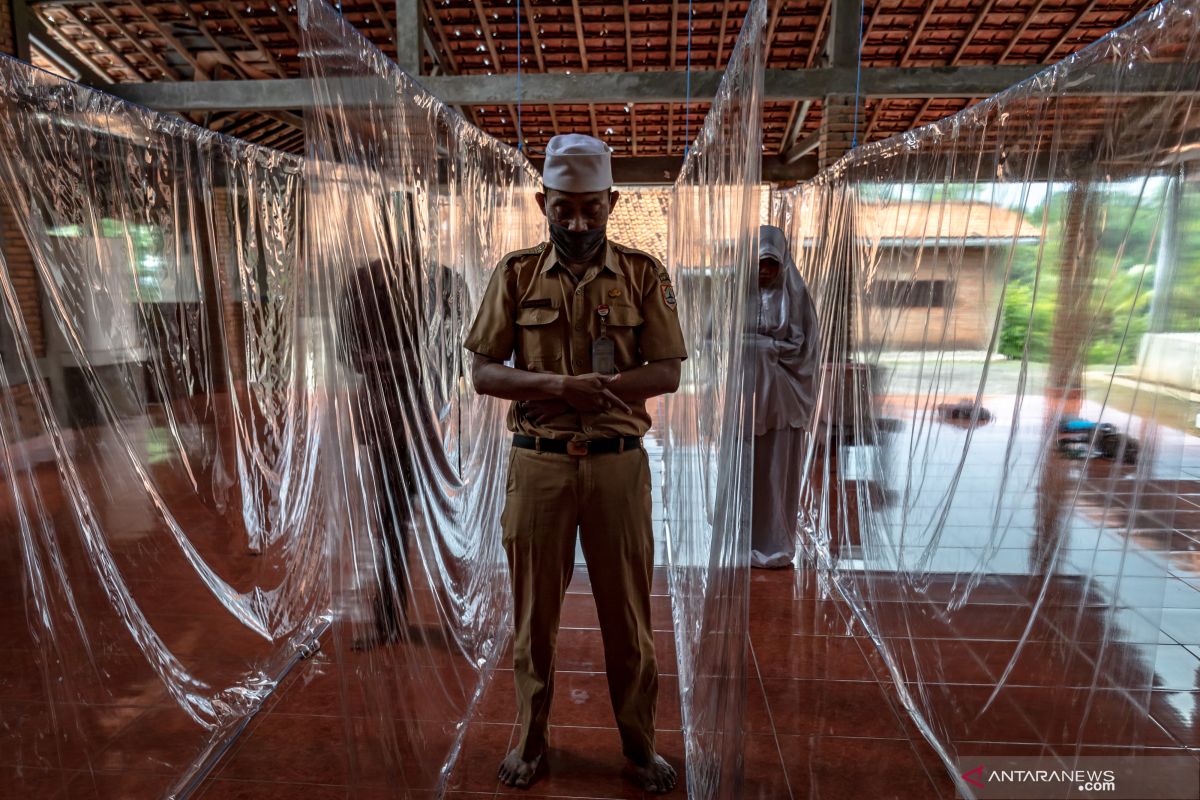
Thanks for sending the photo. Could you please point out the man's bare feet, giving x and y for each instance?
(517, 772)
(657, 775)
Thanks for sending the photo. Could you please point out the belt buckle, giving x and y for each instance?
(577, 448)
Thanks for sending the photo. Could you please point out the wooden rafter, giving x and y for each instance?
(151, 55)
(721, 34)
(238, 20)
(633, 127)
(772, 22)
(440, 30)
(980, 16)
(287, 21)
(1069, 32)
(537, 52)
(916, 34)
(481, 15)
(102, 42)
(387, 23)
(875, 12)
(579, 34)
(818, 35)
(233, 62)
(875, 115)
(628, 37)
(74, 49)
(200, 72)
(674, 30)
(916, 123)
(592, 119)
(1020, 31)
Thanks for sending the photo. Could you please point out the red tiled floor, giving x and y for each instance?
(1110, 665)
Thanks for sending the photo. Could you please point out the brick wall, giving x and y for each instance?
(231, 307)
(16, 251)
(965, 325)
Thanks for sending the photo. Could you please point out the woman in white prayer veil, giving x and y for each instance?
(788, 352)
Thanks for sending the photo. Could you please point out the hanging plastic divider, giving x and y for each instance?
(409, 208)
(1008, 450)
(147, 418)
(713, 255)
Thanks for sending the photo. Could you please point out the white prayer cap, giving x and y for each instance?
(772, 243)
(577, 163)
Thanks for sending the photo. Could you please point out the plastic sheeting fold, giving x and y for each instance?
(996, 287)
(154, 441)
(708, 425)
(409, 209)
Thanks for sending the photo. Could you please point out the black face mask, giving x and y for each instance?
(577, 247)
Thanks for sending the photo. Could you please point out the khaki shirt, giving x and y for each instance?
(536, 311)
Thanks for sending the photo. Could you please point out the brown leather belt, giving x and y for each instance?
(569, 448)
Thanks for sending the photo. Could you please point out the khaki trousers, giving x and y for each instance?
(607, 499)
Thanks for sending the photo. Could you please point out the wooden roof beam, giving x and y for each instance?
(674, 30)
(253, 37)
(407, 34)
(721, 34)
(104, 44)
(200, 72)
(63, 51)
(628, 37)
(905, 59)
(133, 36)
(1020, 31)
(579, 34)
(440, 30)
(1069, 32)
(772, 21)
(974, 29)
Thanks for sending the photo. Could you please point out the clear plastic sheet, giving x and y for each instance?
(707, 432)
(162, 563)
(409, 208)
(995, 288)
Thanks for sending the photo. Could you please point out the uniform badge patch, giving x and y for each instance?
(668, 294)
(614, 292)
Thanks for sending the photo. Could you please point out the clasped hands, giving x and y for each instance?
(588, 393)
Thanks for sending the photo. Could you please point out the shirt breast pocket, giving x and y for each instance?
(539, 343)
(625, 328)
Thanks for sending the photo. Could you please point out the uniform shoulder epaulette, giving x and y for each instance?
(624, 248)
(508, 258)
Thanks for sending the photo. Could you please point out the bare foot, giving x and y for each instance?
(517, 772)
(657, 776)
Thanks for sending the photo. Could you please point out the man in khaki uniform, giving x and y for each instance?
(592, 330)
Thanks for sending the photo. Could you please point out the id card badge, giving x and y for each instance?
(604, 356)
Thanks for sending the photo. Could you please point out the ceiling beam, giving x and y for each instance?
(980, 16)
(796, 126)
(104, 44)
(1069, 31)
(1030, 16)
(802, 148)
(409, 25)
(845, 28)
(161, 29)
(147, 52)
(720, 34)
(579, 34)
(667, 87)
(628, 37)
(65, 51)
(915, 37)
(664, 169)
(22, 15)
